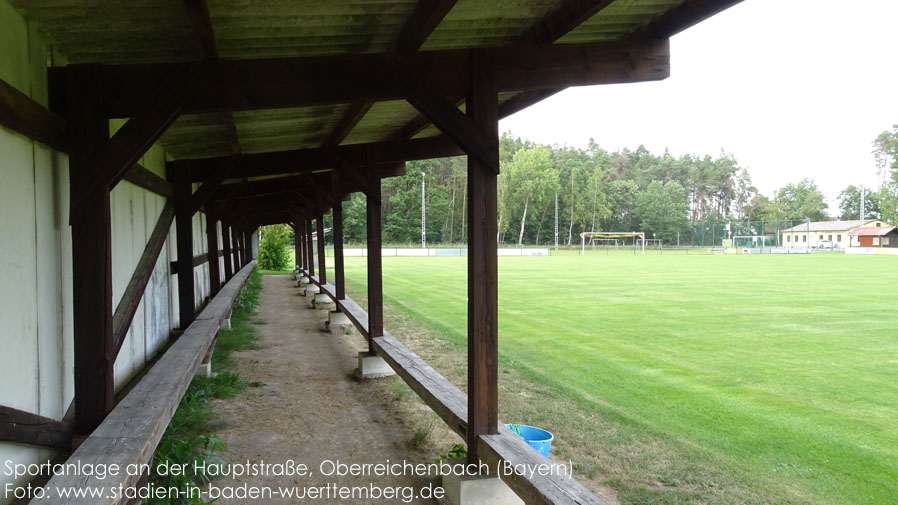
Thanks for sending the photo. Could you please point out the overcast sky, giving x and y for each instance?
(792, 88)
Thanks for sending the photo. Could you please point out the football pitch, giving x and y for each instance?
(771, 376)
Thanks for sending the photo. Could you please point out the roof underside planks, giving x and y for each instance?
(172, 31)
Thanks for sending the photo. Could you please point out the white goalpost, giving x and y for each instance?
(752, 241)
(637, 237)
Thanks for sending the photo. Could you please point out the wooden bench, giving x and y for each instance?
(130, 433)
(451, 404)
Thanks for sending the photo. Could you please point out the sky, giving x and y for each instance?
(791, 88)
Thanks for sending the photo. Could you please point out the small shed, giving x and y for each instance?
(877, 236)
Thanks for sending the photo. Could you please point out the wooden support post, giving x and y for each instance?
(91, 255)
(322, 265)
(301, 242)
(483, 403)
(237, 260)
(309, 249)
(297, 261)
(184, 234)
(212, 248)
(339, 277)
(375, 267)
(226, 250)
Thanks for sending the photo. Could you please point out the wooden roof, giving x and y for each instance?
(157, 31)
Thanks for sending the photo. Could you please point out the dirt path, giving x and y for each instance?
(310, 409)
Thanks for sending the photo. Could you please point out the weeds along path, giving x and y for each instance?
(310, 409)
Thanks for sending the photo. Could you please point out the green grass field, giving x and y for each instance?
(763, 379)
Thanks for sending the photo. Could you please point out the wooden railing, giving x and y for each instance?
(130, 433)
(451, 404)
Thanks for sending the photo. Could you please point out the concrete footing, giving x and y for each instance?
(205, 370)
(225, 324)
(338, 324)
(477, 489)
(309, 292)
(322, 301)
(372, 366)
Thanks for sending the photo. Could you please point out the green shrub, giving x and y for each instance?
(273, 253)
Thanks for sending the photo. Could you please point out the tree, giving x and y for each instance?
(661, 210)
(621, 205)
(800, 201)
(531, 179)
(273, 253)
(850, 204)
(886, 152)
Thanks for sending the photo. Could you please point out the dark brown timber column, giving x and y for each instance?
(309, 248)
(226, 250)
(339, 278)
(236, 246)
(184, 233)
(296, 258)
(91, 256)
(482, 108)
(375, 267)
(300, 240)
(212, 248)
(322, 265)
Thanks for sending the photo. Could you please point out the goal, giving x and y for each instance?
(637, 236)
(752, 241)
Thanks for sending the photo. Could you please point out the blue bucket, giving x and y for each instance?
(539, 439)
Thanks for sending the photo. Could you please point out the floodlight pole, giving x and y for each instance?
(863, 204)
(808, 233)
(423, 216)
(556, 220)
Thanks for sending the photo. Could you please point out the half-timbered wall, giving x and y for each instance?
(36, 354)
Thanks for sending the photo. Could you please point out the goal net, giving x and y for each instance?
(637, 237)
(752, 241)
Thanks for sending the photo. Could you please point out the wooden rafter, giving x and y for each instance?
(424, 19)
(687, 14)
(317, 159)
(204, 35)
(278, 83)
(545, 31)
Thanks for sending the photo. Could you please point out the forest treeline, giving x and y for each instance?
(597, 190)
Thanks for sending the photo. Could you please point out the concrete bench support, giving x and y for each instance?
(477, 489)
(338, 323)
(322, 301)
(372, 366)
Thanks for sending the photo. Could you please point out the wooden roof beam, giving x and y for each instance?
(424, 19)
(391, 155)
(545, 31)
(204, 35)
(326, 80)
(667, 25)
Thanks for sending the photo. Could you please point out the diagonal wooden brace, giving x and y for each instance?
(125, 148)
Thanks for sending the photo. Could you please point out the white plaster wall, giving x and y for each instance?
(32, 363)
(36, 365)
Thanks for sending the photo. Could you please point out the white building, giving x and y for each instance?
(824, 234)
